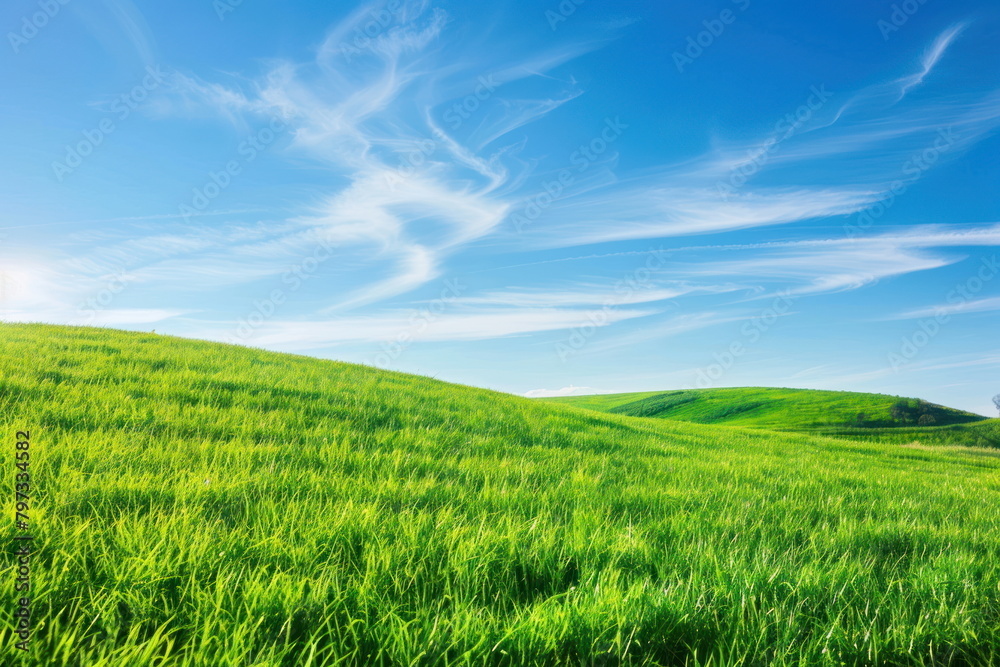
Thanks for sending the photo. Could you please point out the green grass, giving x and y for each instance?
(839, 414)
(202, 504)
(979, 434)
(767, 407)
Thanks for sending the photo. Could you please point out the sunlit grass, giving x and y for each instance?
(201, 504)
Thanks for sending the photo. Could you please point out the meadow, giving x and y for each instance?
(202, 504)
(841, 414)
(771, 407)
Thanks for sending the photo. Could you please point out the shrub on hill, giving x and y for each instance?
(915, 411)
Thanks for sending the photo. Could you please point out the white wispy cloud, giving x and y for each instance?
(843, 159)
(32, 290)
(951, 362)
(839, 267)
(820, 265)
(666, 327)
(948, 309)
(591, 295)
(410, 187)
(120, 28)
(115, 317)
(659, 209)
(481, 324)
(931, 58)
(565, 391)
(412, 191)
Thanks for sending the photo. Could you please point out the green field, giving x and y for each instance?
(203, 504)
(841, 414)
(768, 407)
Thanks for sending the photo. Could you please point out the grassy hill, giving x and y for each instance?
(203, 504)
(768, 407)
(842, 414)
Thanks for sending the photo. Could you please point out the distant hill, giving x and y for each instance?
(780, 409)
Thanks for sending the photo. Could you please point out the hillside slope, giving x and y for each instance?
(840, 414)
(767, 407)
(202, 504)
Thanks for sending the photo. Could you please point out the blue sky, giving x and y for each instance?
(536, 197)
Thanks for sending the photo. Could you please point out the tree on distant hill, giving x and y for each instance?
(913, 411)
(996, 402)
(903, 412)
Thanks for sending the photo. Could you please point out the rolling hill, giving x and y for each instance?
(202, 504)
(767, 407)
(842, 414)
